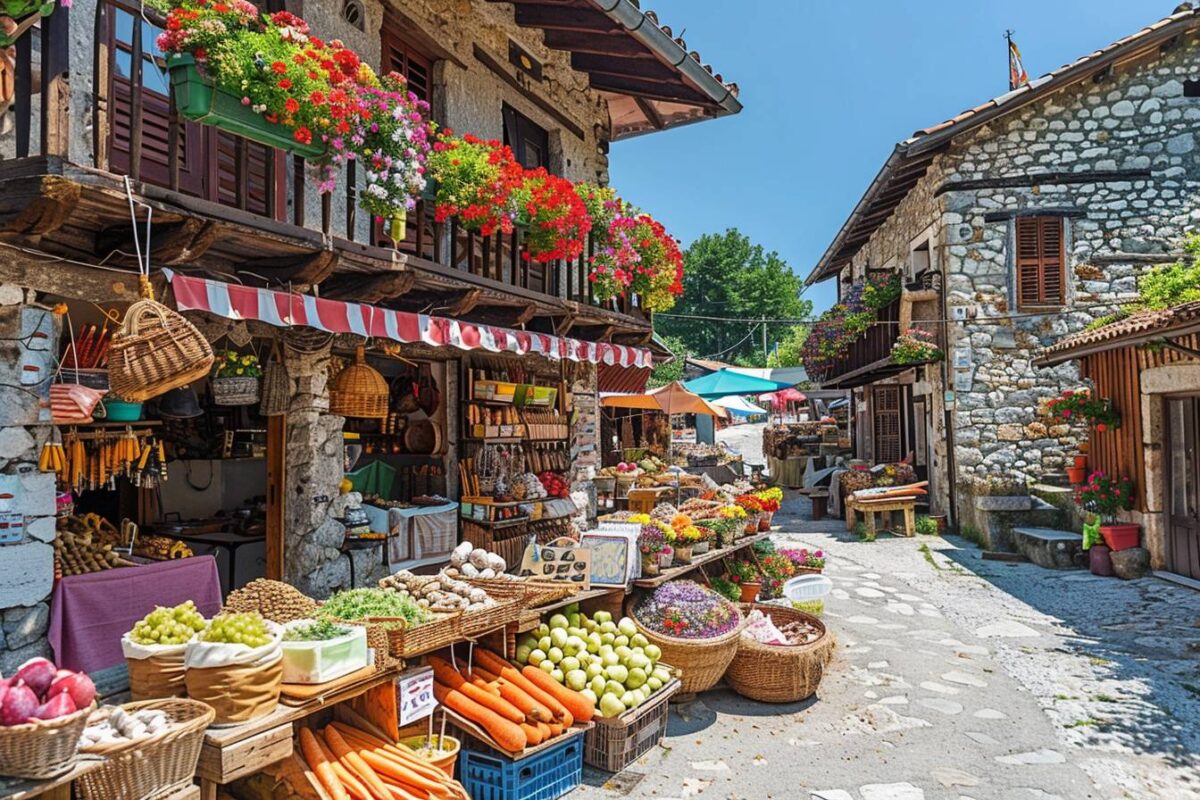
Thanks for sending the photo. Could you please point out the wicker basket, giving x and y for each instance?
(155, 350)
(235, 391)
(406, 642)
(779, 673)
(472, 624)
(702, 662)
(359, 390)
(42, 749)
(149, 767)
(276, 387)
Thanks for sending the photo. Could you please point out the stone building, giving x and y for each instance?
(90, 104)
(1013, 224)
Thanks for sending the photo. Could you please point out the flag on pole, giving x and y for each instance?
(1017, 76)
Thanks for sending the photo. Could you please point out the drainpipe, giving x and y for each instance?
(947, 411)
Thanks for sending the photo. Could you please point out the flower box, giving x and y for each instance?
(200, 99)
(1121, 537)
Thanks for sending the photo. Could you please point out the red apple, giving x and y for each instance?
(78, 685)
(38, 674)
(58, 706)
(20, 703)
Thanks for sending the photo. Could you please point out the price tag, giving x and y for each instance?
(414, 695)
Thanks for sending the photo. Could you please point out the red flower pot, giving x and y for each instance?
(1121, 537)
(750, 591)
(1076, 475)
(1081, 461)
(1099, 560)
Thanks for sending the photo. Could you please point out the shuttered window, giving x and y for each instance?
(887, 426)
(400, 56)
(1040, 262)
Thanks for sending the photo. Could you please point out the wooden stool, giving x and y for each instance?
(820, 505)
(884, 505)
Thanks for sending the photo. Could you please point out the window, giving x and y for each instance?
(886, 424)
(529, 142)
(400, 56)
(919, 261)
(1040, 261)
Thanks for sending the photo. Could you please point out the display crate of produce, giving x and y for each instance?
(546, 775)
(616, 742)
(539, 396)
(499, 391)
(320, 661)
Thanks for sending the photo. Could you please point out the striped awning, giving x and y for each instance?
(288, 309)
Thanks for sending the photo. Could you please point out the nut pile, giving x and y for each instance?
(121, 726)
(468, 561)
(438, 592)
(799, 631)
(275, 600)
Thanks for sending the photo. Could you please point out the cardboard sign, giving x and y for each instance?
(549, 562)
(414, 695)
(615, 560)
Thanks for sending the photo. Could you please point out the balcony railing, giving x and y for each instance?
(133, 129)
(873, 347)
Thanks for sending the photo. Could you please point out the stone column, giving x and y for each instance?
(28, 346)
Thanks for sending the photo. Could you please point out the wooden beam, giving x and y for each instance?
(309, 269)
(676, 93)
(652, 115)
(563, 326)
(377, 289)
(38, 208)
(465, 303)
(276, 496)
(503, 72)
(560, 18)
(74, 281)
(600, 44)
(172, 244)
(646, 68)
(1042, 178)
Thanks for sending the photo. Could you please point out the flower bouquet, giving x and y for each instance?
(235, 379)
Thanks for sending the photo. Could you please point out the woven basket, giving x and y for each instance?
(276, 388)
(359, 390)
(702, 662)
(42, 749)
(149, 767)
(473, 624)
(235, 391)
(406, 642)
(155, 350)
(780, 673)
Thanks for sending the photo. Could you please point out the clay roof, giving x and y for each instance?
(911, 157)
(708, 363)
(1137, 328)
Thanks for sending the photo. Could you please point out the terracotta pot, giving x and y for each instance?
(1083, 447)
(1121, 537)
(1100, 560)
(1076, 475)
(764, 524)
(1081, 461)
(750, 591)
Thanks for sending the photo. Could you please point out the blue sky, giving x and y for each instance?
(829, 88)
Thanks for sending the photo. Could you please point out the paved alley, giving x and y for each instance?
(959, 678)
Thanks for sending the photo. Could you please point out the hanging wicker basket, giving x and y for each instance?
(359, 390)
(275, 387)
(155, 350)
(235, 391)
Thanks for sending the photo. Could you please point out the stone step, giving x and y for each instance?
(1048, 547)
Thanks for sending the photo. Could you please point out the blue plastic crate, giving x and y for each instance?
(488, 775)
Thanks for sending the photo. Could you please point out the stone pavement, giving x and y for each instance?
(955, 678)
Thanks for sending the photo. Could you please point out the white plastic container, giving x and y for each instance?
(325, 660)
(808, 593)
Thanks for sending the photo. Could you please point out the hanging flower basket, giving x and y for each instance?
(199, 98)
(235, 391)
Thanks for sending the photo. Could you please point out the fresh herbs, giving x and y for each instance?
(356, 604)
(321, 631)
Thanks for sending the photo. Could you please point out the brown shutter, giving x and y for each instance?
(399, 55)
(1040, 261)
(885, 410)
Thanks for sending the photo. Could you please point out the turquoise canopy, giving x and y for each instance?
(723, 383)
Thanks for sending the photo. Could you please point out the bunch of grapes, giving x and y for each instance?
(169, 625)
(247, 628)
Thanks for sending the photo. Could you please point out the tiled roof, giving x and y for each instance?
(910, 158)
(708, 363)
(1175, 321)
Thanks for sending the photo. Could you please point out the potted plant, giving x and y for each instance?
(1076, 404)
(753, 508)
(776, 569)
(236, 379)
(1081, 460)
(769, 500)
(748, 579)
(916, 346)
(726, 588)
(704, 543)
(1077, 474)
(652, 542)
(1107, 496)
(805, 561)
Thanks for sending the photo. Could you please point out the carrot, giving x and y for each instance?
(507, 734)
(362, 740)
(532, 709)
(480, 672)
(352, 784)
(491, 689)
(397, 773)
(321, 766)
(556, 728)
(497, 704)
(544, 727)
(446, 673)
(532, 733)
(356, 764)
(580, 707)
(508, 673)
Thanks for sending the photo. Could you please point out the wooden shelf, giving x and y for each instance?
(141, 423)
(499, 523)
(699, 561)
(496, 439)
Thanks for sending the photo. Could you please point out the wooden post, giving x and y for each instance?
(276, 481)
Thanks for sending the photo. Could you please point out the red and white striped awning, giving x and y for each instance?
(287, 309)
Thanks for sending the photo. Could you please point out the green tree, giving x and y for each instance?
(663, 374)
(728, 276)
(788, 352)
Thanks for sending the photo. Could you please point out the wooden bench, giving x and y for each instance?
(884, 505)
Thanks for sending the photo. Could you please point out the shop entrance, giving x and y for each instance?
(1182, 419)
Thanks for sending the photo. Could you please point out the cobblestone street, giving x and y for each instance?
(956, 677)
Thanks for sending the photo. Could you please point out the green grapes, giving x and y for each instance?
(247, 628)
(169, 625)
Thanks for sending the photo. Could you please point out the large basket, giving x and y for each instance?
(701, 661)
(780, 673)
(359, 390)
(235, 391)
(149, 767)
(42, 749)
(406, 642)
(472, 624)
(155, 350)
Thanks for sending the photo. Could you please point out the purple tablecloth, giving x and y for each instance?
(90, 613)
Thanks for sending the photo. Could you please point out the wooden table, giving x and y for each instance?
(883, 505)
(51, 789)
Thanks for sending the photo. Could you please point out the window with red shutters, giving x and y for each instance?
(1041, 261)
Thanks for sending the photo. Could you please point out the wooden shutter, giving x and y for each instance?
(885, 411)
(399, 55)
(1040, 261)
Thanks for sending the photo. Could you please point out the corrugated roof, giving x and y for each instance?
(1175, 321)
(911, 157)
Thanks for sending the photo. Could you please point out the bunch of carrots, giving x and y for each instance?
(353, 765)
(516, 708)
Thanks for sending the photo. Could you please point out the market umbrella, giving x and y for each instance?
(723, 383)
(738, 405)
(783, 397)
(670, 399)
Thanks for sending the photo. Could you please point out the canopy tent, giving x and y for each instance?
(789, 375)
(724, 383)
(670, 399)
(783, 397)
(738, 406)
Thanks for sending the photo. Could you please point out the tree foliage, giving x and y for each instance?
(728, 276)
(663, 374)
(788, 352)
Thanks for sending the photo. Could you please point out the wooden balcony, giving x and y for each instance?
(233, 209)
(868, 357)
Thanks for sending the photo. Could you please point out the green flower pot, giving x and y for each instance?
(199, 98)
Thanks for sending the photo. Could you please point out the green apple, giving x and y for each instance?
(654, 683)
(536, 657)
(523, 654)
(611, 705)
(612, 687)
(529, 641)
(653, 652)
(545, 643)
(595, 668)
(602, 616)
(608, 638)
(558, 636)
(589, 694)
(662, 674)
(557, 674)
(574, 618)
(543, 630)
(555, 654)
(639, 661)
(616, 673)
(568, 664)
(631, 699)
(621, 641)
(559, 621)
(636, 678)
(593, 642)
(609, 659)
(577, 679)
(597, 685)
(547, 667)
(609, 627)
(627, 626)
(575, 645)
(638, 640)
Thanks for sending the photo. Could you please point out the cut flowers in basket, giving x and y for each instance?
(231, 364)
(320, 91)
(1075, 404)
(917, 346)
(1105, 495)
(687, 610)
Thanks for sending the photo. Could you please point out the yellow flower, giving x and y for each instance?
(640, 519)
(240, 370)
